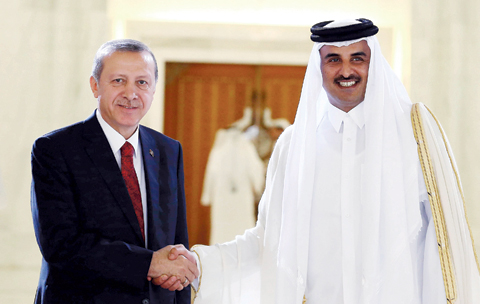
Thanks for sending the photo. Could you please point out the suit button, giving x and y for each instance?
(145, 301)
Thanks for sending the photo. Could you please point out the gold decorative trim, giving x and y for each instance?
(435, 204)
(459, 187)
(200, 277)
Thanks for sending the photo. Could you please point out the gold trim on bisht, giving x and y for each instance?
(435, 204)
(459, 187)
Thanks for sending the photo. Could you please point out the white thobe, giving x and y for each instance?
(334, 272)
(335, 261)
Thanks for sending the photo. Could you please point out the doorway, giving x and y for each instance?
(202, 98)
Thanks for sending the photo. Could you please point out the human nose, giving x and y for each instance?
(346, 70)
(130, 92)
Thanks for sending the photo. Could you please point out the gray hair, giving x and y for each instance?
(119, 45)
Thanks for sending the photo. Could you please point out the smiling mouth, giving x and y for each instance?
(347, 84)
(127, 107)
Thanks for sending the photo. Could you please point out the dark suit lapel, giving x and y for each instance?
(152, 160)
(99, 150)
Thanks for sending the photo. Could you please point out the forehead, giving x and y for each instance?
(129, 62)
(344, 51)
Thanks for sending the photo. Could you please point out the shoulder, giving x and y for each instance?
(155, 139)
(54, 148)
(71, 132)
(157, 136)
(60, 137)
(424, 112)
(283, 142)
(280, 152)
(286, 136)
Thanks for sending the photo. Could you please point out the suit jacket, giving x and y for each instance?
(85, 224)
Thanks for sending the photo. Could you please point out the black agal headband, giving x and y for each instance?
(320, 33)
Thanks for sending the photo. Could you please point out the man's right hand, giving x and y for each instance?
(173, 267)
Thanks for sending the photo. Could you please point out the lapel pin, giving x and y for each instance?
(151, 153)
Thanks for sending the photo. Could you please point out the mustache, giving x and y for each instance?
(128, 103)
(349, 78)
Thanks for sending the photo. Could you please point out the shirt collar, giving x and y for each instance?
(115, 139)
(336, 116)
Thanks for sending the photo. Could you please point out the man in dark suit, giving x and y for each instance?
(108, 194)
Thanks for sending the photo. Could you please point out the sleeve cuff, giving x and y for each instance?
(198, 281)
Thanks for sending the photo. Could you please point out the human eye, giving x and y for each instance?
(334, 59)
(118, 81)
(142, 83)
(358, 59)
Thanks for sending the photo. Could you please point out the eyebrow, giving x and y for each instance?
(329, 55)
(126, 76)
(358, 54)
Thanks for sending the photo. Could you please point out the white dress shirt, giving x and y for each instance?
(116, 141)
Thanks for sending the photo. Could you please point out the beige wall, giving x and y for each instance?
(445, 43)
(48, 46)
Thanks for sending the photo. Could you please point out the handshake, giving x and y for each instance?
(173, 267)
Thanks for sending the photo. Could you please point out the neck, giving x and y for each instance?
(344, 106)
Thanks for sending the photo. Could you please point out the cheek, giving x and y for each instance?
(326, 80)
(324, 72)
(331, 74)
(364, 72)
(147, 100)
(147, 103)
(326, 85)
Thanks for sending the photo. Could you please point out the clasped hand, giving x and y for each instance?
(173, 268)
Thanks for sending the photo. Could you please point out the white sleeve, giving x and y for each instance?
(228, 270)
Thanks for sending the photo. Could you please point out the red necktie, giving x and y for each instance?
(130, 177)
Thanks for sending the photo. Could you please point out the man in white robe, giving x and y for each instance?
(345, 217)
